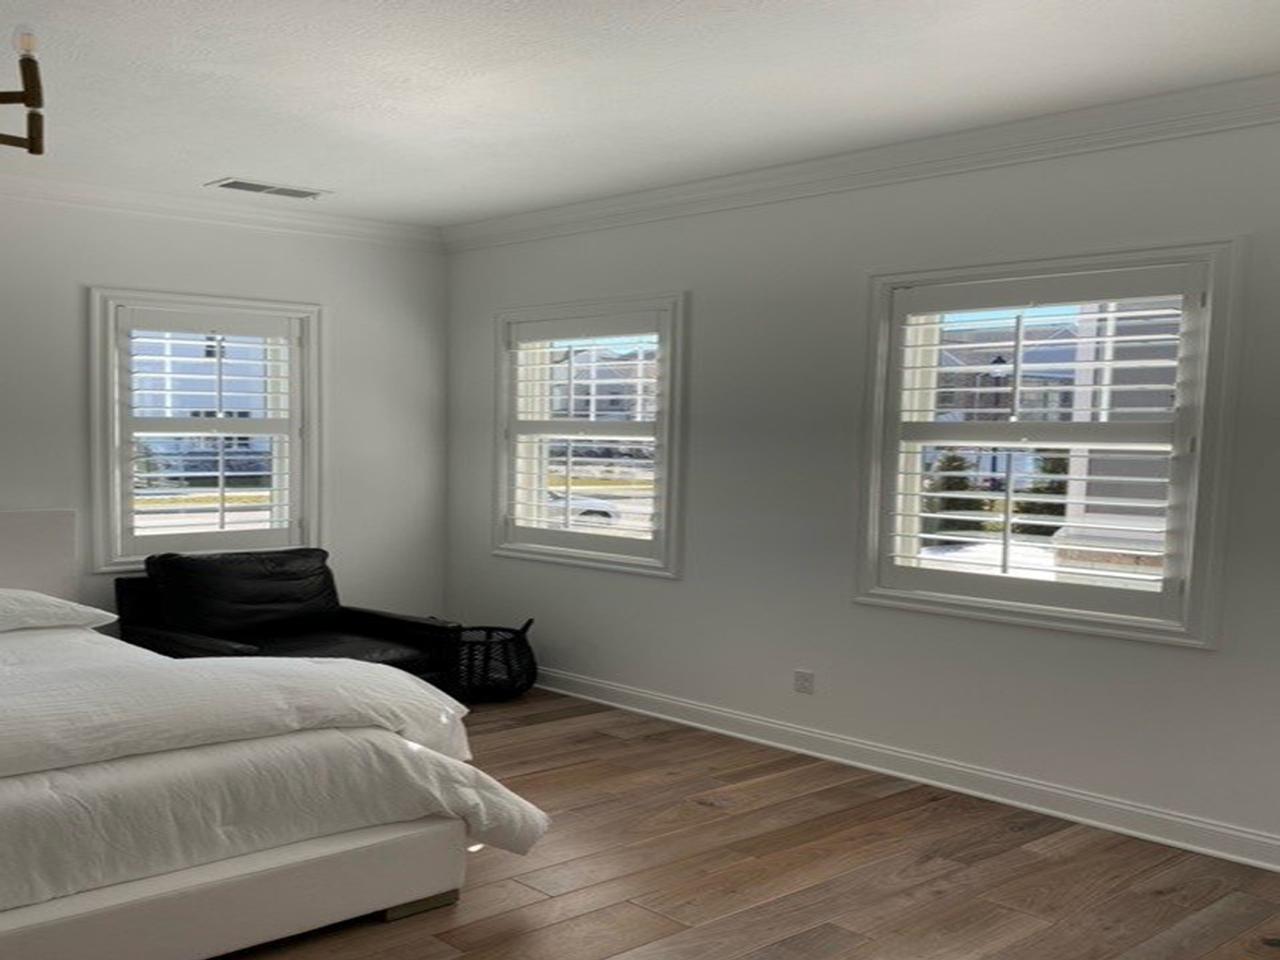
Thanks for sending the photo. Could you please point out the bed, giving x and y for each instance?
(157, 809)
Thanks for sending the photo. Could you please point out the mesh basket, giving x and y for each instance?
(493, 663)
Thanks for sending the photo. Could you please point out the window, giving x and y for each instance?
(589, 409)
(1041, 443)
(200, 425)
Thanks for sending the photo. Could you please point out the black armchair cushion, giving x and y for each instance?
(338, 643)
(421, 632)
(173, 643)
(239, 595)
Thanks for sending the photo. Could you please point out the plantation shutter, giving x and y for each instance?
(588, 434)
(1036, 435)
(209, 422)
(585, 428)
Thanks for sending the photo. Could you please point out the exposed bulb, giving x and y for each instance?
(24, 41)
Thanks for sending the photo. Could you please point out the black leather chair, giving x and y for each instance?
(280, 603)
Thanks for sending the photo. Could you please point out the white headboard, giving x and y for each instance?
(38, 551)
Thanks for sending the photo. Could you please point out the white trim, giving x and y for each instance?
(1186, 113)
(1132, 433)
(613, 562)
(252, 212)
(1118, 626)
(613, 314)
(1186, 831)
(105, 306)
(1199, 605)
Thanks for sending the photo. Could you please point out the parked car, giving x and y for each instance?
(580, 507)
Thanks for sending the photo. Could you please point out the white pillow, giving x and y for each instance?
(20, 609)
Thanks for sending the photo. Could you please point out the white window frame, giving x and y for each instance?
(1185, 614)
(660, 313)
(109, 319)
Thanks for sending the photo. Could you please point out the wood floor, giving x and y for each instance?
(676, 844)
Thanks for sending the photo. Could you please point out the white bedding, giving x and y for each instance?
(117, 764)
(54, 648)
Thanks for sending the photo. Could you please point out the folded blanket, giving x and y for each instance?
(87, 714)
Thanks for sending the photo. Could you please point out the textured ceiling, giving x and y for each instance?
(443, 111)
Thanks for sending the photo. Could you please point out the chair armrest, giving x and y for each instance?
(138, 602)
(174, 643)
(415, 631)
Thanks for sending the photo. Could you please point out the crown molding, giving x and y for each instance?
(39, 190)
(1187, 113)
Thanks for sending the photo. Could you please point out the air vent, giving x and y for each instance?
(254, 186)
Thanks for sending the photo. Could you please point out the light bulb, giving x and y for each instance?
(24, 41)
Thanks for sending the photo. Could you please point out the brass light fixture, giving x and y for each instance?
(30, 96)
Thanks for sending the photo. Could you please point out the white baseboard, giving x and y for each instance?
(1182, 830)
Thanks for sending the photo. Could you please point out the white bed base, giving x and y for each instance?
(204, 911)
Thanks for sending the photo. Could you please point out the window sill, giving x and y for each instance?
(615, 563)
(1165, 632)
(121, 565)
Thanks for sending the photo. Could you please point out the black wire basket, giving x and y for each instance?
(493, 663)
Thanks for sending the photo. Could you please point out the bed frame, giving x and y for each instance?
(218, 907)
(203, 911)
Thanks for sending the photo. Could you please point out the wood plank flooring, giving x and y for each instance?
(672, 843)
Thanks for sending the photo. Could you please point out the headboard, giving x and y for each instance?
(38, 551)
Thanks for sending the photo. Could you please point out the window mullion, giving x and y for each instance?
(1018, 334)
(613, 429)
(206, 426)
(1006, 526)
(219, 352)
(222, 483)
(1107, 374)
(568, 484)
(1030, 433)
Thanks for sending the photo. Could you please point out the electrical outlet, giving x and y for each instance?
(802, 681)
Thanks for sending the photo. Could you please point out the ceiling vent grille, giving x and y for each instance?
(275, 189)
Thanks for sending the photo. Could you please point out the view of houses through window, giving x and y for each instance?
(1093, 513)
(584, 460)
(191, 475)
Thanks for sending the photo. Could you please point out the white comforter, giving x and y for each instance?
(117, 764)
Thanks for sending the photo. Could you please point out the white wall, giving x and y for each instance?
(383, 350)
(777, 366)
